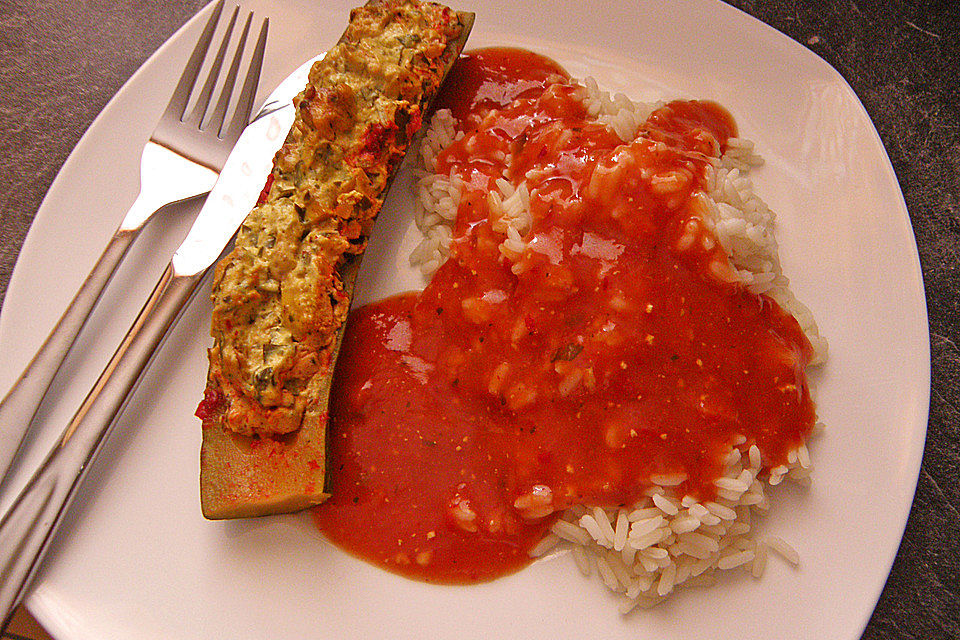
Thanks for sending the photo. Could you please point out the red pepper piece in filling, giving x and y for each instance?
(213, 402)
(266, 190)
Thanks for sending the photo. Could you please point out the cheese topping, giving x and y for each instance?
(278, 298)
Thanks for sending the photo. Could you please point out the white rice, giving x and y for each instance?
(741, 221)
(662, 544)
(665, 541)
(437, 197)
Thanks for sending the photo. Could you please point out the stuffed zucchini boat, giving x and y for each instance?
(281, 296)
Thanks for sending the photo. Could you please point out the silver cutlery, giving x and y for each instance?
(29, 525)
(181, 160)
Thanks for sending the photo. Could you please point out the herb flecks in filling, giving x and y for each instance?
(278, 297)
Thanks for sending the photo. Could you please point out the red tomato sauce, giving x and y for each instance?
(613, 346)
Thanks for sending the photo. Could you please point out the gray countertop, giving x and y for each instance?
(60, 62)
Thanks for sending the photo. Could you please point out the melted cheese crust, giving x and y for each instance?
(278, 298)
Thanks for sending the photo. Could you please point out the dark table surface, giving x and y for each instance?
(61, 61)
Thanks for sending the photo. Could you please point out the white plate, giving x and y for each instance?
(136, 559)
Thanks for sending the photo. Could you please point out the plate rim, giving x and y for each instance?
(45, 611)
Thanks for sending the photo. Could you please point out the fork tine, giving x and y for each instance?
(203, 101)
(181, 95)
(241, 116)
(219, 113)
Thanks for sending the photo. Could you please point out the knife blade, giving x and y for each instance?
(244, 173)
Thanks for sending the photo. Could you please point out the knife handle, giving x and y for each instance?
(20, 405)
(28, 527)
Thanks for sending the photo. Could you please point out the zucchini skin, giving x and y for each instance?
(282, 295)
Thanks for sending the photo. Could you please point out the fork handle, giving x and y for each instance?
(28, 527)
(20, 404)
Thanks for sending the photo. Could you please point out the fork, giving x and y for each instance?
(28, 527)
(180, 161)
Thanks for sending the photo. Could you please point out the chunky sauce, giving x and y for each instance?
(610, 348)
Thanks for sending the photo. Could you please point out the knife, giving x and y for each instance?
(27, 528)
(238, 187)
